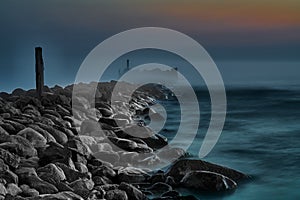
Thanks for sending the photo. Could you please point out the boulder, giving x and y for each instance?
(9, 108)
(5, 115)
(82, 184)
(28, 192)
(9, 176)
(96, 194)
(127, 157)
(8, 127)
(45, 121)
(13, 189)
(35, 138)
(108, 156)
(42, 186)
(116, 195)
(29, 176)
(132, 192)
(80, 102)
(159, 188)
(82, 187)
(4, 95)
(9, 158)
(74, 122)
(51, 173)
(124, 144)
(138, 131)
(94, 163)
(132, 175)
(51, 113)
(55, 152)
(81, 167)
(43, 132)
(3, 133)
(207, 181)
(104, 171)
(68, 131)
(88, 140)
(62, 111)
(56, 120)
(77, 145)
(180, 168)
(156, 141)
(50, 99)
(98, 180)
(63, 186)
(59, 136)
(107, 187)
(20, 146)
(3, 166)
(105, 112)
(17, 126)
(170, 180)
(3, 190)
(157, 177)
(148, 160)
(171, 154)
(18, 92)
(31, 110)
(185, 197)
(71, 174)
(114, 122)
(125, 115)
(30, 162)
(66, 195)
(89, 126)
(101, 146)
(24, 172)
(143, 148)
(171, 193)
(23, 119)
(101, 104)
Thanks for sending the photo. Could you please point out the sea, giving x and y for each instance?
(261, 137)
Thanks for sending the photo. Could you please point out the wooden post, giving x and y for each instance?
(39, 71)
(127, 65)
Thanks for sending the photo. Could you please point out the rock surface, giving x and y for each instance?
(35, 138)
(59, 147)
(180, 168)
(207, 181)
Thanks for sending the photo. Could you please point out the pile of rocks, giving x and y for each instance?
(50, 151)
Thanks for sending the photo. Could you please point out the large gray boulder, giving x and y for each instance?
(34, 137)
(180, 168)
(207, 181)
(51, 173)
(116, 195)
(132, 192)
(10, 159)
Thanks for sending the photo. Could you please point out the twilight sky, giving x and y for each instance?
(251, 42)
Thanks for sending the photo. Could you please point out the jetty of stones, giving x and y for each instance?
(50, 151)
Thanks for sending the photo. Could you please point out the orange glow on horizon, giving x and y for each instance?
(254, 15)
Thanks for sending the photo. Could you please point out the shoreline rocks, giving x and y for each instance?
(50, 151)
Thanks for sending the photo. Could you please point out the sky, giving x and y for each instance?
(251, 42)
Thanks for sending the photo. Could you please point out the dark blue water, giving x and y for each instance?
(261, 137)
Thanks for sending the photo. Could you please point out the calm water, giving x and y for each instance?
(261, 137)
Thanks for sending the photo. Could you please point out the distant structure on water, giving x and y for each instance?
(157, 75)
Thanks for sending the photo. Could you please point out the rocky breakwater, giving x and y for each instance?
(50, 151)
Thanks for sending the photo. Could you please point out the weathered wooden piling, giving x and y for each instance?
(39, 71)
(127, 64)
